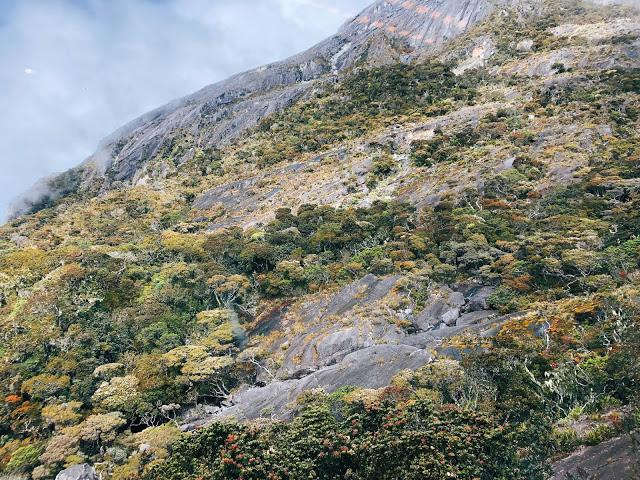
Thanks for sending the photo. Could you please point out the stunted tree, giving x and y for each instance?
(205, 375)
(62, 415)
(91, 435)
(42, 386)
(229, 290)
(116, 394)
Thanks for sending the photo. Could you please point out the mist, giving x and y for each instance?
(73, 71)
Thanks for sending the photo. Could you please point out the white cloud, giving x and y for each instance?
(306, 13)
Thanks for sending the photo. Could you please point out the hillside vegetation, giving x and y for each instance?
(124, 313)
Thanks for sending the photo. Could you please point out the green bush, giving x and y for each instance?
(442, 147)
(24, 459)
(504, 299)
(416, 442)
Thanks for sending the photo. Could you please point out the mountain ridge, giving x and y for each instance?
(421, 26)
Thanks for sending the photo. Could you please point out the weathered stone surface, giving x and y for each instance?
(592, 56)
(423, 24)
(633, 3)
(477, 56)
(597, 32)
(20, 240)
(477, 298)
(250, 200)
(352, 338)
(443, 306)
(474, 318)
(525, 45)
(616, 459)
(331, 330)
(372, 367)
(78, 472)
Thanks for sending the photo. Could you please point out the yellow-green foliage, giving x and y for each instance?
(195, 363)
(215, 330)
(116, 394)
(101, 428)
(158, 438)
(62, 415)
(45, 385)
(152, 447)
(24, 458)
(130, 470)
(95, 430)
(189, 245)
(26, 260)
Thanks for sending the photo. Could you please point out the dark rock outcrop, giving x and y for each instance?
(615, 459)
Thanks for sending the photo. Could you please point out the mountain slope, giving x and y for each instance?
(384, 33)
(426, 266)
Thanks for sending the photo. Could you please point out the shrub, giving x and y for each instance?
(24, 459)
(503, 299)
(44, 385)
(386, 442)
(442, 147)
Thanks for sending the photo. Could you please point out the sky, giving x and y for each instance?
(73, 71)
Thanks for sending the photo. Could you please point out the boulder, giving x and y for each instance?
(443, 306)
(525, 45)
(474, 318)
(477, 299)
(78, 472)
(478, 56)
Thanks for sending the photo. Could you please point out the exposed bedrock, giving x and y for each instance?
(615, 459)
(361, 336)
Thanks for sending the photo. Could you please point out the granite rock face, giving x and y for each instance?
(386, 32)
(423, 24)
(362, 335)
(277, 398)
(633, 3)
